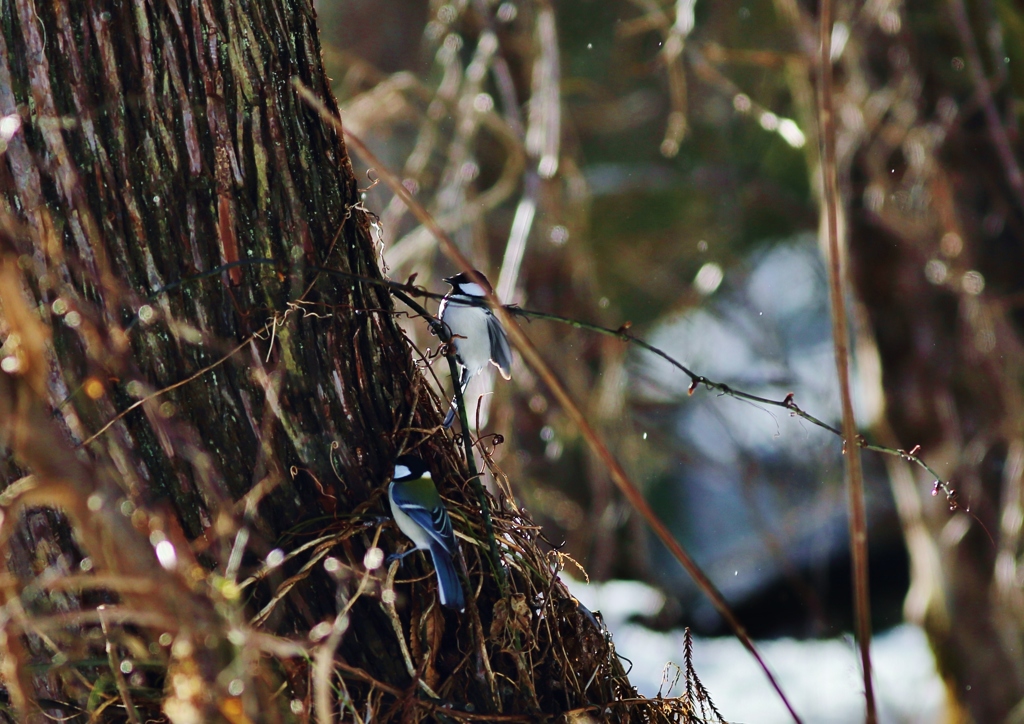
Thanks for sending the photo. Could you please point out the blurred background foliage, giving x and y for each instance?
(657, 163)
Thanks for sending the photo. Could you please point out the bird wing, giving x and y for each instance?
(434, 519)
(501, 354)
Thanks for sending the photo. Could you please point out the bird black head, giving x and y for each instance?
(473, 283)
(409, 467)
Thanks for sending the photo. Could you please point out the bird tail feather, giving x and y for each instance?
(448, 585)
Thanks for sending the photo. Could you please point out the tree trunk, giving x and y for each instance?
(935, 229)
(216, 418)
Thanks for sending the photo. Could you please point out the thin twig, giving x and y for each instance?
(841, 344)
(323, 657)
(115, 667)
(396, 625)
(165, 390)
(474, 475)
(404, 290)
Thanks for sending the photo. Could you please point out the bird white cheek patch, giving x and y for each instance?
(474, 290)
(401, 471)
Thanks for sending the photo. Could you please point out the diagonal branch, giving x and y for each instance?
(841, 344)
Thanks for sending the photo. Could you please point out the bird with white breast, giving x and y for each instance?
(420, 514)
(477, 333)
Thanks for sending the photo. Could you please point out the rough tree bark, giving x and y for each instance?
(255, 409)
